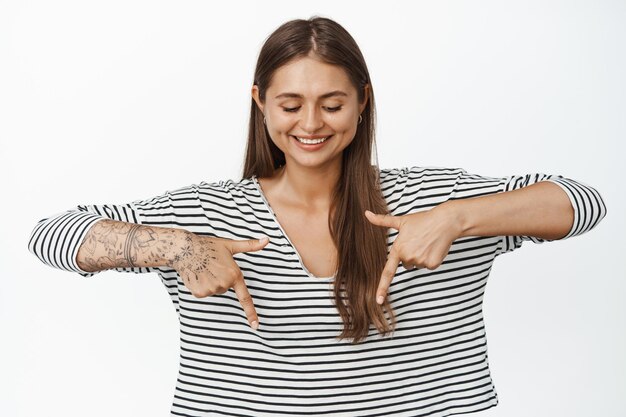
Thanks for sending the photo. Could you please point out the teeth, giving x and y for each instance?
(311, 141)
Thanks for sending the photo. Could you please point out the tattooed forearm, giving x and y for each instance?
(115, 244)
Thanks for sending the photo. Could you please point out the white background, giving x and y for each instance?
(108, 102)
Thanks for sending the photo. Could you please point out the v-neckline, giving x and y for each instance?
(269, 208)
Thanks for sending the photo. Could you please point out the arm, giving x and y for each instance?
(515, 208)
(499, 206)
(544, 210)
(56, 240)
(117, 244)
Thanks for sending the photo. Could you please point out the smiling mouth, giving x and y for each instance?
(311, 141)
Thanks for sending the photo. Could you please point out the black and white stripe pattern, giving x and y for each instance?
(436, 362)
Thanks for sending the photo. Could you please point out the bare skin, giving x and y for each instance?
(306, 227)
(205, 264)
(308, 97)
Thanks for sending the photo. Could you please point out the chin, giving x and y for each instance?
(313, 161)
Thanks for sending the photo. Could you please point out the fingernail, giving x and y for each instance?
(380, 299)
(264, 239)
(255, 325)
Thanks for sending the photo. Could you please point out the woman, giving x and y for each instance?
(342, 234)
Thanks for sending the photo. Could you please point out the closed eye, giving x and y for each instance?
(330, 109)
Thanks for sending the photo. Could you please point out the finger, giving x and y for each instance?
(386, 220)
(249, 245)
(389, 271)
(246, 302)
(188, 276)
(408, 265)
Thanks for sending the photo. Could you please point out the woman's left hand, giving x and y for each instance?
(424, 239)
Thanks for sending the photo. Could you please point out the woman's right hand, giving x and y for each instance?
(207, 267)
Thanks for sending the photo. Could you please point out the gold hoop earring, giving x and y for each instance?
(264, 121)
(360, 119)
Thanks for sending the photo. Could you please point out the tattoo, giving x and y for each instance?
(116, 244)
(193, 257)
(127, 246)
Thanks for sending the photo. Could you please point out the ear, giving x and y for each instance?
(366, 95)
(255, 96)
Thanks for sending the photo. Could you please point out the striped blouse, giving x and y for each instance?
(434, 364)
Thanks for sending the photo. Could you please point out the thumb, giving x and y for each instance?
(249, 245)
(386, 220)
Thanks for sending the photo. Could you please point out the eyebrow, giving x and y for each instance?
(330, 94)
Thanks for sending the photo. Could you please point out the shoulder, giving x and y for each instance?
(227, 185)
(417, 174)
(228, 192)
(411, 188)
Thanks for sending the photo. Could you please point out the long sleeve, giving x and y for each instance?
(589, 207)
(55, 240)
(425, 187)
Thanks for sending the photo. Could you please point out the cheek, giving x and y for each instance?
(282, 124)
(346, 127)
(278, 136)
(346, 122)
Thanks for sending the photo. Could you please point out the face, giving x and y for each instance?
(311, 99)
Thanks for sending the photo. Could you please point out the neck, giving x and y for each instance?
(308, 187)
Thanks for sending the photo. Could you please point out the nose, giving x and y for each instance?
(311, 120)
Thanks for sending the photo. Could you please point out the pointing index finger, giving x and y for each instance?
(246, 302)
(387, 275)
(385, 220)
(248, 245)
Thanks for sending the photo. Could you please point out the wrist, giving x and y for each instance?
(456, 216)
(180, 242)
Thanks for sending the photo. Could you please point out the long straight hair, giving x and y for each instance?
(362, 246)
